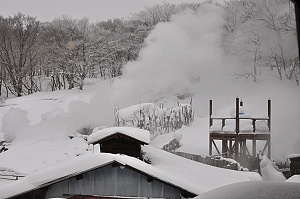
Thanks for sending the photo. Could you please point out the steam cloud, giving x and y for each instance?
(178, 54)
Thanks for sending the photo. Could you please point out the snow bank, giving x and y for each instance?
(268, 172)
(139, 134)
(294, 178)
(257, 190)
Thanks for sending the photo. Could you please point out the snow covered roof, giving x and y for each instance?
(50, 175)
(291, 156)
(136, 133)
(186, 174)
(294, 178)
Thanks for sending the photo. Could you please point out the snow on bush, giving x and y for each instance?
(154, 118)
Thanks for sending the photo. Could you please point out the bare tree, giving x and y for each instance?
(18, 36)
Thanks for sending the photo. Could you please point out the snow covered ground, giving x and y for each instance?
(38, 126)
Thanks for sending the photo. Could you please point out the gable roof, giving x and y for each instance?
(57, 173)
(140, 135)
(174, 170)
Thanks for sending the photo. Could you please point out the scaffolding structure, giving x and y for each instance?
(235, 144)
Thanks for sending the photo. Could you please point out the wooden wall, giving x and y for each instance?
(113, 181)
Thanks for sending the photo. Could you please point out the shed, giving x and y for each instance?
(295, 164)
(98, 175)
(123, 140)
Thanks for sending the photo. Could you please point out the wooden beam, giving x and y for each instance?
(216, 147)
(265, 147)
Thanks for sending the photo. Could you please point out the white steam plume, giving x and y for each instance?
(177, 54)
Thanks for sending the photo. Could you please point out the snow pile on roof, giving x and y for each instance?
(198, 177)
(139, 134)
(294, 178)
(257, 190)
(268, 171)
(293, 156)
(42, 176)
(36, 154)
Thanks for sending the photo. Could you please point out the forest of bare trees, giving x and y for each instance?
(61, 54)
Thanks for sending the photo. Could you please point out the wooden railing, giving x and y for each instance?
(213, 161)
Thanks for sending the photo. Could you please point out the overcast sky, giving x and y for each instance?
(95, 10)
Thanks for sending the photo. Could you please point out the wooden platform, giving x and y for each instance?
(235, 143)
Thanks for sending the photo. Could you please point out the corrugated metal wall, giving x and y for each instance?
(113, 181)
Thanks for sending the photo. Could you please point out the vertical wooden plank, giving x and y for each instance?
(236, 147)
(254, 147)
(210, 145)
(269, 148)
(224, 146)
(237, 126)
(210, 113)
(269, 114)
(223, 123)
(253, 124)
(237, 115)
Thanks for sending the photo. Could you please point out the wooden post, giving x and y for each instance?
(253, 147)
(269, 148)
(210, 124)
(224, 146)
(269, 125)
(258, 165)
(253, 124)
(237, 115)
(237, 126)
(236, 147)
(269, 114)
(210, 145)
(210, 113)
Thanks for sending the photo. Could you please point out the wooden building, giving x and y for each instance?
(123, 140)
(234, 142)
(295, 164)
(116, 172)
(101, 176)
